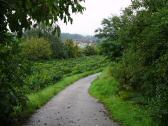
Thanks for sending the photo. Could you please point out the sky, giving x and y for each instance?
(90, 20)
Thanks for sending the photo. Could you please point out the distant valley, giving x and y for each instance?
(79, 38)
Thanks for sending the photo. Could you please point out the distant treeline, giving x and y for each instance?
(44, 42)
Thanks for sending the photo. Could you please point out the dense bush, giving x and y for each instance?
(50, 34)
(13, 69)
(71, 49)
(142, 32)
(90, 50)
(36, 48)
(60, 49)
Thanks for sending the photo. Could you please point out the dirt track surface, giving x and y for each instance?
(72, 107)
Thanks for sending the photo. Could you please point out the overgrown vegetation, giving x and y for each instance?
(46, 73)
(50, 34)
(12, 74)
(106, 89)
(90, 50)
(16, 16)
(137, 40)
(72, 49)
(36, 48)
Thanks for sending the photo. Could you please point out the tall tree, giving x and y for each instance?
(108, 35)
(17, 16)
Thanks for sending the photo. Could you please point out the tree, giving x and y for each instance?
(142, 32)
(49, 33)
(19, 14)
(16, 16)
(110, 45)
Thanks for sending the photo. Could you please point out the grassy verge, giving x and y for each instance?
(105, 89)
(38, 99)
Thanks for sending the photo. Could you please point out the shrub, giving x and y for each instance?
(89, 50)
(72, 49)
(50, 34)
(36, 48)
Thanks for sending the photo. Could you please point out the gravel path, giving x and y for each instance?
(72, 107)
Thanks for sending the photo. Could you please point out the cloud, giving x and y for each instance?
(96, 11)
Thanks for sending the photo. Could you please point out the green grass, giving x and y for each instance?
(105, 89)
(38, 99)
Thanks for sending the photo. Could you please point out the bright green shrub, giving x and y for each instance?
(72, 49)
(89, 50)
(36, 48)
(50, 34)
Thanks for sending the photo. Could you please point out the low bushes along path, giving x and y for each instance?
(72, 107)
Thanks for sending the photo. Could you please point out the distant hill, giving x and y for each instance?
(78, 38)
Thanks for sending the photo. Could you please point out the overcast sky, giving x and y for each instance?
(96, 11)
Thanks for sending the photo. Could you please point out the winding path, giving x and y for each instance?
(72, 107)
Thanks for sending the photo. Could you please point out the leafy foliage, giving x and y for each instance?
(49, 33)
(142, 33)
(110, 46)
(13, 69)
(16, 16)
(72, 49)
(19, 14)
(105, 88)
(36, 48)
(90, 50)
